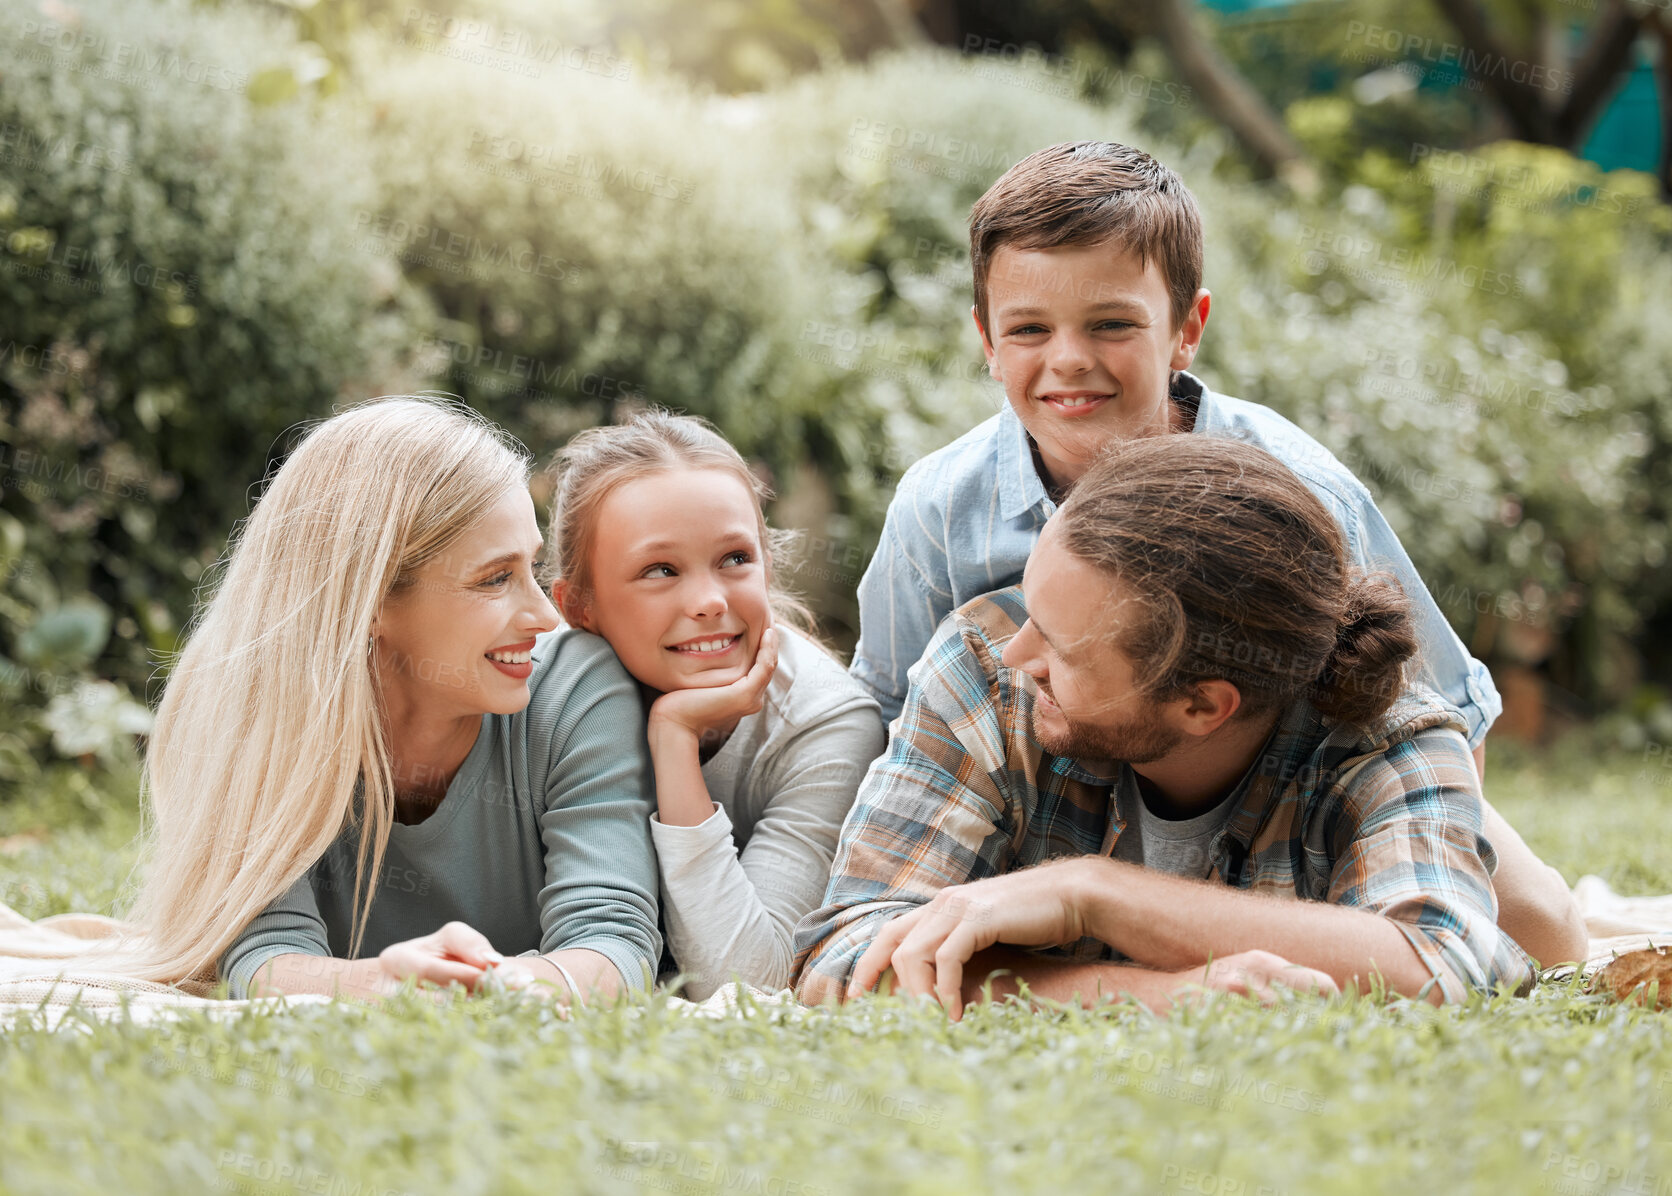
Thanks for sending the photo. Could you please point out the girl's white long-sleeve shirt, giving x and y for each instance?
(735, 885)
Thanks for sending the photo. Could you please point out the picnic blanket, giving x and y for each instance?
(38, 969)
(38, 972)
(39, 976)
(1619, 924)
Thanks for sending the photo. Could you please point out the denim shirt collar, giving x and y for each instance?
(1021, 491)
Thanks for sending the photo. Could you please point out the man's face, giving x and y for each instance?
(1082, 338)
(1088, 705)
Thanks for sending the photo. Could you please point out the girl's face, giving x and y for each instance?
(679, 578)
(457, 641)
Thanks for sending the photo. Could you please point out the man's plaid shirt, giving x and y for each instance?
(1387, 819)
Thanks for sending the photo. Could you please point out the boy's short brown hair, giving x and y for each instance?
(1086, 193)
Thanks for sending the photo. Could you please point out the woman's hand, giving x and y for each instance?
(457, 953)
(534, 974)
(698, 713)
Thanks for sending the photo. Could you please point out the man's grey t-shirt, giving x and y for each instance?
(1179, 846)
(541, 842)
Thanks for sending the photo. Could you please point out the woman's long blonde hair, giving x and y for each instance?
(271, 717)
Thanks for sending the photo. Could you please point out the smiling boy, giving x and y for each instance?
(1087, 261)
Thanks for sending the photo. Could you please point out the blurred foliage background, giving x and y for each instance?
(221, 220)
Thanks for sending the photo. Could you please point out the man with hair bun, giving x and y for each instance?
(1087, 264)
(1184, 753)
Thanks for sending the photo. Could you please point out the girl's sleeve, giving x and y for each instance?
(732, 917)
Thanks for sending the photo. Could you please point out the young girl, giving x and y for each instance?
(374, 760)
(758, 737)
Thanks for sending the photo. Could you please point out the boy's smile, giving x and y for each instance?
(1081, 336)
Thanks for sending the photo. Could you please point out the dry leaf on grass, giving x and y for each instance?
(1637, 970)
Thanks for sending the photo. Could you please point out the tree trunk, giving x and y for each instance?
(1661, 26)
(1534, 111)
(939, 20)
(902, 23)
(1227, 95)
(1596, 72)
(1521, 102)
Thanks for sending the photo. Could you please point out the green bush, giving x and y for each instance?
(1546, 285)
(211, 230)
(177, 288)
(596, 242)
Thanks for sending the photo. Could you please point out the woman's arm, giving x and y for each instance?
(322, 974)
(595, 977)
(290, 926)
(600, 895)
(454, 954)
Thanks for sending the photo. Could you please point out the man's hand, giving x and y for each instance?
(927, 947)
(1259, 974)
(457, 953)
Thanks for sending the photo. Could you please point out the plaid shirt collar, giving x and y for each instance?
(1303, 754)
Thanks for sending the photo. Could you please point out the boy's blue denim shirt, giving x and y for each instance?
(965, 518)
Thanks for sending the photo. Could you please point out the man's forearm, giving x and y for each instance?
(1169, 923)
(1088, 984)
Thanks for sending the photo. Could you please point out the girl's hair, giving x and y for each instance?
(596, 461)
(271, 716)
(1238, 573)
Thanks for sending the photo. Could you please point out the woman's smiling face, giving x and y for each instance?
(456, 641)
(679, 582)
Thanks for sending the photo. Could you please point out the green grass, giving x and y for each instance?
(1582, 811)
(68, 845)
(1561, 1093)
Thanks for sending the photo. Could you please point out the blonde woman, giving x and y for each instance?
(758, 736)
(375, 760)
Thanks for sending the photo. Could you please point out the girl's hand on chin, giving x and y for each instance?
(696, 711)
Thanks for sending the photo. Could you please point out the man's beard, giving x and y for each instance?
(1137, 739)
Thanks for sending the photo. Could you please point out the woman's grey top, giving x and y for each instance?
(541, 842)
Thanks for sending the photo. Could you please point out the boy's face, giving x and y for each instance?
(1082, 338)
